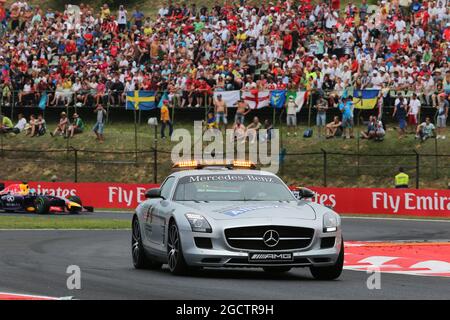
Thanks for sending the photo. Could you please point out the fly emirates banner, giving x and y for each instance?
(413, 202)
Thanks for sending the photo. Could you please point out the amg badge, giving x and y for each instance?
(258, 257)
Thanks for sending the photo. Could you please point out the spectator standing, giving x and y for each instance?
(138, 17)
(122, 18)
(400, 114)
(220, 110)
(413, 112)
(99, 125)
(241, 111)
(165, 119)
(321, 117)
(253, 130)
(239, 131)
(291, 117)
(346, 107)
(442, 115)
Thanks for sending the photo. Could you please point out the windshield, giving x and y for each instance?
(232, 187)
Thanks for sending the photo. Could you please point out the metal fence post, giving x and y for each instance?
(76, 165)
(436, 159)
(324, 167)
(155, 156)
(417, 168)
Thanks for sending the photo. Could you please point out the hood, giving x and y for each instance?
(223, 210)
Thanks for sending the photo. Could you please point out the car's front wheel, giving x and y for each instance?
(140, 259)
(330, 272)
(175, 259)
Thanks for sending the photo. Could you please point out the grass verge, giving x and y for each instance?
(391, 216)
(58, 222)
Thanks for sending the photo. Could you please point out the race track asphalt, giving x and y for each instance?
(35, 262)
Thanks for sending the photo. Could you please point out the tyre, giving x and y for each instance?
(175, 259)
(140, 258)
(42, 205)
(76, 200)
(330, 272)
(277, 269)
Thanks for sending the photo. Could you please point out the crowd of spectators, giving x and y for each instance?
(88, 57)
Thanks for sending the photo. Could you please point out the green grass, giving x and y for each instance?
(342, 170)
(61, 222)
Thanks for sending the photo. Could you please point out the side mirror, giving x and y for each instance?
(304, 193)
(153, 193)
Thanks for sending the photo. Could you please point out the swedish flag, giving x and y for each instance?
(365, 99)
(140, 100)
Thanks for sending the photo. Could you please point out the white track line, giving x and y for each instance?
(397, 219)
(20, 295)
(121, 229)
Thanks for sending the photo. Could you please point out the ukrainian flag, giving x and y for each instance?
(140, 100)
(365, 99)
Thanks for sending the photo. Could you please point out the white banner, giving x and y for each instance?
(230, 97)
(257, 99)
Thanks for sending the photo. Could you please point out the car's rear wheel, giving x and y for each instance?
(175, 258)
(277, 269)
(42, 205)
(331, 272)
(140, 258)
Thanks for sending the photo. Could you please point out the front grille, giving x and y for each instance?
(244, 261)
(251, 238)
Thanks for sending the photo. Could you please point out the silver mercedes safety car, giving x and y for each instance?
(232, 216)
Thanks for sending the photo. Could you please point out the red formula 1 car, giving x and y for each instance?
(20, 198)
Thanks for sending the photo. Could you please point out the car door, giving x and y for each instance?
(159, 212)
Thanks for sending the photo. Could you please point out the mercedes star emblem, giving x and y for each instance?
(271, 238)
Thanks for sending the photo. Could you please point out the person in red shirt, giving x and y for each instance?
(446, 33)
(287, 43)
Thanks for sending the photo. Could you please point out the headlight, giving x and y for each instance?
(198, 223)
(330, 222)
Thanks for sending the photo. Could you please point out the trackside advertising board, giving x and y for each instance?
(413, 202)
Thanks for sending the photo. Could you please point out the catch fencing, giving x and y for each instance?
(326, 168)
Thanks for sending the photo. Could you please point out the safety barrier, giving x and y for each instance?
(395, 202)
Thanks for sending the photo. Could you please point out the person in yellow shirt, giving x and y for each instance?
(165, 119)
(105, 12)
(401, 179)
